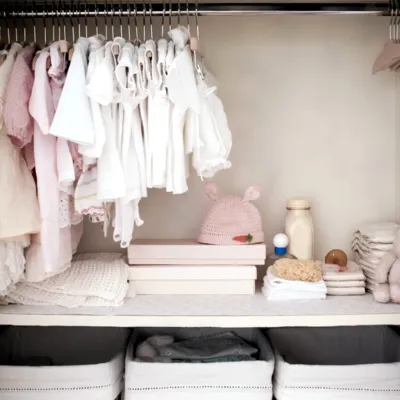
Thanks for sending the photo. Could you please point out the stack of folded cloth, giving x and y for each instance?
(219, 347)
(370, 243)
(344, 282)
(92, 280)
(293, 280)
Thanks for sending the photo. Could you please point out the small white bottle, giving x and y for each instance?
(300, 229)
(280, 242)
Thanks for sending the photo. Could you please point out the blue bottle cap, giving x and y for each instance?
(280, 250)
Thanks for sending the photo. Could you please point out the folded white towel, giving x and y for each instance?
(271, 279)
(281, 289)
(344, 284)
(292, 295)
(331, 272)
(351, 291)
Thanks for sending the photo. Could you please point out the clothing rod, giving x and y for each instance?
(115, 10)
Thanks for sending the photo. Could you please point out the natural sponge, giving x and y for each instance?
(297, 270)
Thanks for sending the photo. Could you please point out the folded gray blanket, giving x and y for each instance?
(222, 347)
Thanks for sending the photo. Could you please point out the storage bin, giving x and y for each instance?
(241, 380)
(62, 363)
(336, 363)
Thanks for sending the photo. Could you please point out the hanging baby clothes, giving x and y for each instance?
(86, 200)
(102, 88)
(17, 119)
(131, 151)
(162, 127)
(51, 251)
(214, 138)
(181, 83)
(5, 73)
(19, 208)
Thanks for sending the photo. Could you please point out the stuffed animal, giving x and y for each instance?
(387, 275)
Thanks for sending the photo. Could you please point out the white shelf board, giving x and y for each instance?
(211, 311)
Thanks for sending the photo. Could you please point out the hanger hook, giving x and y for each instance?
(120, 20)
(33, 8)
(15, 22)
(112, 21)
(77, 10)
(105, 19)
(136, 24)
(144, 21)
(170, 15)
(163, 19)
(151, 20)
(86, 11)
(197, 21)
(128, 10)
(188, 15)
(70, 13)
(96, 14)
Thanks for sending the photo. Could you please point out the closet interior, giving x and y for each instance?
(150, 155)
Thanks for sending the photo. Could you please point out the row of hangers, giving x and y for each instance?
(70, 21)
(389, 57)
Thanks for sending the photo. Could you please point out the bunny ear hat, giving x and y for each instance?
(232, 220)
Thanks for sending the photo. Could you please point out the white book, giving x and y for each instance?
(245, 286)
(191, 272)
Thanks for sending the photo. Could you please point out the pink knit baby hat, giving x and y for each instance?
(231, 220)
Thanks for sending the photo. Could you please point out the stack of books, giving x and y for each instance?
(187, 267)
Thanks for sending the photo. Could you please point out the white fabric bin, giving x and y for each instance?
(242, 380)
(336, 363)
(65, 363)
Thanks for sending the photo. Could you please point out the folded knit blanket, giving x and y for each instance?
(99, 279)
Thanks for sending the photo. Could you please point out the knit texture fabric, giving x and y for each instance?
(93, 280)
(232, 220)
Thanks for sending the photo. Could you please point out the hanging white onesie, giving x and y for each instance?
(73, 118)
(181, 83)
(214, 142)
(132, 152)
(162, 122)
(102, 88)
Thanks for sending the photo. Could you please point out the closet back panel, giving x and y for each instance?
(308, 119)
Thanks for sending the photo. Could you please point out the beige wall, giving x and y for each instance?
(308, 119)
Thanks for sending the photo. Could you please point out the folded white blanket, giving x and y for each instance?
(272, 280)
(381, 232)
(281, 289)
(331, 272)
(351, 291)
(94, 280)
(292, 295)
(344, 284)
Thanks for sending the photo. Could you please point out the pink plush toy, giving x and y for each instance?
(388, 275)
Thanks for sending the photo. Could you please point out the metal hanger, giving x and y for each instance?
(390, 55)
(163, 19)
(144, 21)
(128, 10)
(170, 15)
(151, 21)
(105, 20)
(96, 20)
(137, 39)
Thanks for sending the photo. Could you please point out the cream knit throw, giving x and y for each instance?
(93, 280)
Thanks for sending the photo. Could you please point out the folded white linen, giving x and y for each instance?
(371, 260)
(281, 289)
(93, 280)
(343, 291)
(380, 232)
(279, 283)
(331, 272)
(344, 284)
(292, 295)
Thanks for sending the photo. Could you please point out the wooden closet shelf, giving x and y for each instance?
(211, 311)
